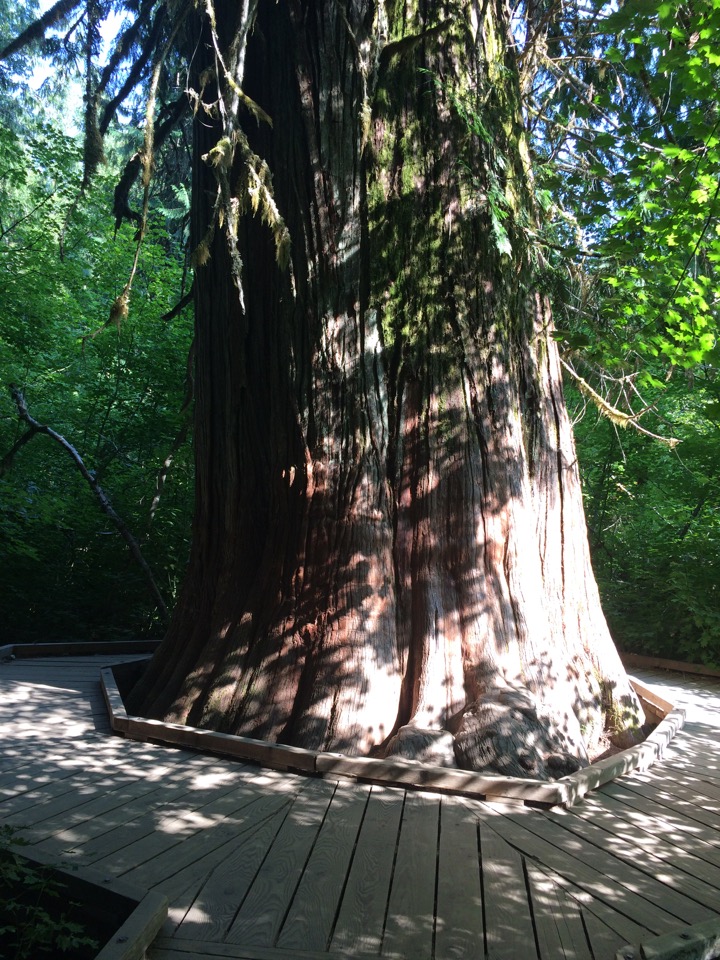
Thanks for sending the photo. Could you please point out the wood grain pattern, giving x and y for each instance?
(361, 918)
(310, 919)
(288, 864)
(508, 921)
(411, 908)
(262, 912)
(459, 928)
(557, 919)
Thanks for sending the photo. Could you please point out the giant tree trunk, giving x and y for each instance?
(389, 528)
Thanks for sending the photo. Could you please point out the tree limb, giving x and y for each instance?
(121, 202)
(123, 45)
(167, 463)
(102, 498)
(136, 71)
(4, 231)
(615, 416)
(179, 307)
(399, 48)
(7, 460)
(38, 29)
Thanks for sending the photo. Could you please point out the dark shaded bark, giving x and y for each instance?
(389, 526)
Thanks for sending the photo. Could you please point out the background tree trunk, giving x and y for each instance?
(389, 527)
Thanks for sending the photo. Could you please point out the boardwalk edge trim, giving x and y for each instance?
(697, 942)
(134, 936)
(404, 773)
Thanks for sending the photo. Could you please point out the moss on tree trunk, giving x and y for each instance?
(389, 528)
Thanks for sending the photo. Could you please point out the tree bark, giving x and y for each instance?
(389, 529)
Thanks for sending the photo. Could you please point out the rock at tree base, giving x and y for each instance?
(507, 732)
(434, 747)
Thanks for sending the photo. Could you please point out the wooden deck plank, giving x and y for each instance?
(147, 837)
(573, 866)
(242, 812)
(102, 837)
(151, 786)
(17, 807)
(186, 885)
(459, 928)
(508, 920)
(92, 838)
(220, 895)
(645, 860)
(33, 775)
(700, 772)
(670, 819)
(361, 918)
(605, 940)
(613, 925)
(70, 824)
(684, 786)
(79, 768)
(658, 798)
(680, 764)
(695, 858)
(262, 912)
(557, 919)
(705, 787)
(611, 862)
(410, 924)
(169, 949)
(617, 869)
(45, 815)
(310, 920)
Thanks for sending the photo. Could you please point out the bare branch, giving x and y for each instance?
(123, 45)
(162, 474)
(102, 498)
(616, 417)
(179, 307)
(136, 72)
(121, 202)
(7, 460)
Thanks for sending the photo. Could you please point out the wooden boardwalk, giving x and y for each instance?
(266, 865)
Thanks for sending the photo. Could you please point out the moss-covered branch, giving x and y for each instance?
(37, 30)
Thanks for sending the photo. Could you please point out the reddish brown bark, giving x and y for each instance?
(389, 526)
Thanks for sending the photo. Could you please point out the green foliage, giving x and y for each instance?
(624, 116)
(33, 920)
(116, 392)
(654, 522)
(666, 227)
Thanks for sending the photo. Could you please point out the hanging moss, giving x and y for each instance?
(93, 152)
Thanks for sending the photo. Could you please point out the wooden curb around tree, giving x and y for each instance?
(403, 773)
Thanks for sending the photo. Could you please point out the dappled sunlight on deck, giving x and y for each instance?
(264, 863)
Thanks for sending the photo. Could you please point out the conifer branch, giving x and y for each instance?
(38, 29)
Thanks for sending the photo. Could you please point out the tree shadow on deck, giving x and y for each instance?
(252, 857)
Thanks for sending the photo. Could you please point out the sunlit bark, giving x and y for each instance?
(389, 527)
